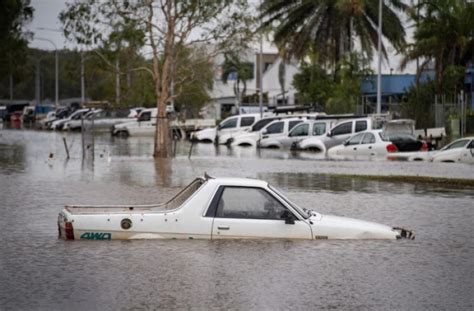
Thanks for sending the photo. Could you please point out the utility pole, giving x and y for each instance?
(11, 85)
(379, 71)
(56, 71)
(37, 83)
(83, 84)
(260, 70)
(117, 81)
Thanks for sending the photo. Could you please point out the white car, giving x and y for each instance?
(233, 126)
(205, 135)
(100, 119)
(378, 144)
(217, 208)
(336, 135)
(272, 134)
(307, 129)
(460, 150)
(251, 137)
(76, 115)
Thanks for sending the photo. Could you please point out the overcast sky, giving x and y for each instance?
(47, 12)
(46, 16)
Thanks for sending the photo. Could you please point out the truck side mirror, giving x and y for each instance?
(289, 217)
(329, 134)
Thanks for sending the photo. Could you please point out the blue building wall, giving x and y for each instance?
(398, 85)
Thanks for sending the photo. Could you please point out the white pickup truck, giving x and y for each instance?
(145, 125)
(217, 208)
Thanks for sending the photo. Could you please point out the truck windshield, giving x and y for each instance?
(298, 209)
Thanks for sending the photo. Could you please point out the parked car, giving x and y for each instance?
(460, 150)
(338, 134)
(52, 116)
(271, 135)
(378, 144)
(28, 114)
(99, 119)
(207, 135)
(307, 129)
(233, 126)
(251, 137)
(143, 125)
(217, 208)
(76, 115)
(3, 112)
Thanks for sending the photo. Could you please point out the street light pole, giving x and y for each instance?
(83, 84)
(56, 74)
(379, 72)
(260, 70)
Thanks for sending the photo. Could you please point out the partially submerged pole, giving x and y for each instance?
(66, 147)
(191, 149)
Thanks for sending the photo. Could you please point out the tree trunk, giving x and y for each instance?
(162, 137)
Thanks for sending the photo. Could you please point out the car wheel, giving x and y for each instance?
(313, 149)
(123, 134)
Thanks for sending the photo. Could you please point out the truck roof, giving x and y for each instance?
(241, 182)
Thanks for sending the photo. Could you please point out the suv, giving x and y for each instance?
(272, 134)
(233, 126)
(308, 128)
(251, 137)
(339, 133)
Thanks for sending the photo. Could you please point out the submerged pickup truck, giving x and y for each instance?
(217, 208)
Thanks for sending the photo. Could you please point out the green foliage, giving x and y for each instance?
(337, 92)
(313, 83)
(14, 14)
(419, 104)
(192, 91)
(327, 26)
(243, 70)
(444, 37)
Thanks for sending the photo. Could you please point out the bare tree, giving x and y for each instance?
(211, 25)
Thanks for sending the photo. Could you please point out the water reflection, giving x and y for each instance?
(12, 158)
(41, 272)
(324, 182)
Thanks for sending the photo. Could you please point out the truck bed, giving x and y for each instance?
(115, 209)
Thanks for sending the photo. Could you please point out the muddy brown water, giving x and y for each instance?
(40, 272)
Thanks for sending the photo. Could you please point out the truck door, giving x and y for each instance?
(247, 212)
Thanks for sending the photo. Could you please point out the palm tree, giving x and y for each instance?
(444, 36)
(328, 26)
(243, 71)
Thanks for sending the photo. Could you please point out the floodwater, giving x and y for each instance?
(40, 272)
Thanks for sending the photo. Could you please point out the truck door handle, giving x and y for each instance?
(223, 227)
(370, 147)
(355, 148)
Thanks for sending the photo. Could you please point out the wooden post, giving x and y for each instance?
(65, 147)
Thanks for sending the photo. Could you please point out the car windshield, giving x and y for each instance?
(300, 210)
(456, 144)
(260, 124)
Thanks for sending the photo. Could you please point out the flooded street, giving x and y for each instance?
(40, 272)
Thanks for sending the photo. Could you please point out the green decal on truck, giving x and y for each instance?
(96, 236)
